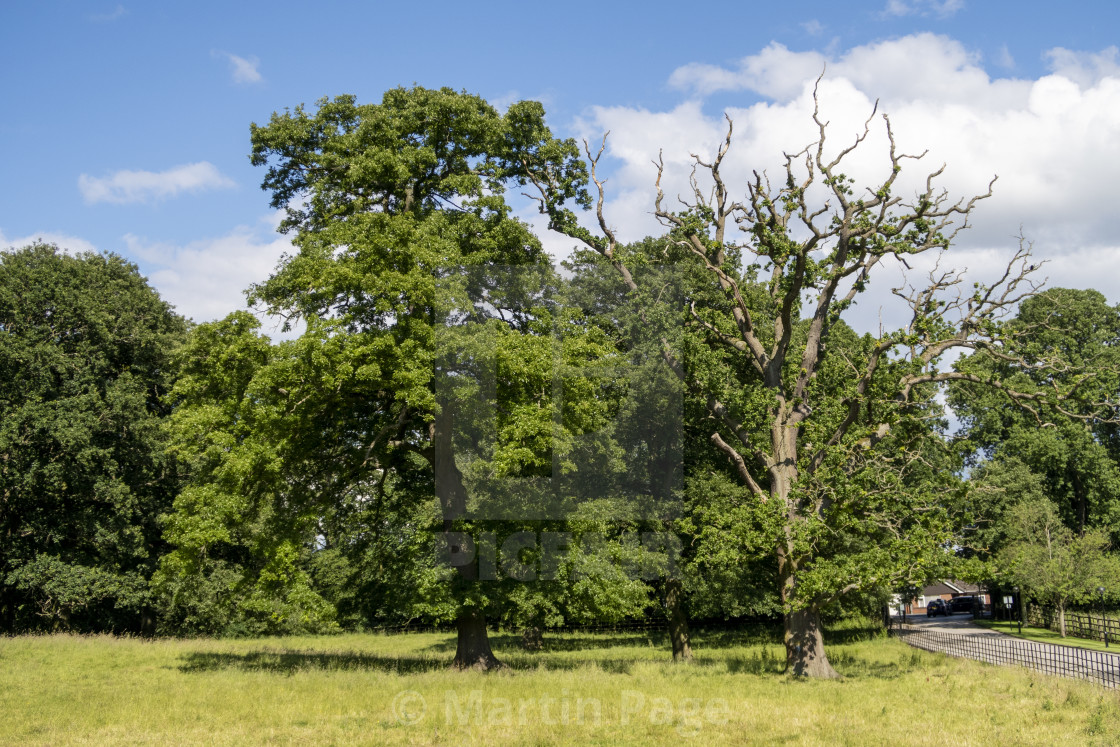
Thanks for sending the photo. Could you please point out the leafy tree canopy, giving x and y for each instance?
(85, 348)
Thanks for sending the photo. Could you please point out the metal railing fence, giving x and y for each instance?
(1065, 661)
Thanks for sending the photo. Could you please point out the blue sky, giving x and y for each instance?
(125, 127)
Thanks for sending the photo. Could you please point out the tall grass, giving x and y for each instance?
(582, 689)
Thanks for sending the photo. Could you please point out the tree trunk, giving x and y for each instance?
(147, 622)
(473, 650)
(1062, 620)
(678, 620)
(531, 638)
(805, 656)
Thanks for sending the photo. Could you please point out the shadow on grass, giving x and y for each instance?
(566, 641)
(293, 662)
(763, 663)
(437, 656)
(563, 641)
(754, 635)
(843, 635)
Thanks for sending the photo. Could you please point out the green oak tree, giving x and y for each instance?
(267, 438)
(85, 359)
(425, 375)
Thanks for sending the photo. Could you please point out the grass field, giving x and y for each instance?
(583, 689)
(1045, 635)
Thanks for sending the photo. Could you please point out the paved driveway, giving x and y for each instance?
(957, 636)
(960, 624)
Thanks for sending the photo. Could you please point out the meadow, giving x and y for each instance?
(607, 689)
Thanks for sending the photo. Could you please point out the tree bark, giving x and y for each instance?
(1062, 620)
(678, 621)
(473, 649)
(805, 655)
(532, 638)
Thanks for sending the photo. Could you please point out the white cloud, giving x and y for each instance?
(69, 244)
(1054, 142)
(939, 8)
(207, 279)
(813, 27)
(918, 67)
(1087, 69)
(243, 70)
(774, 72)
(123, 187)
(204, 280)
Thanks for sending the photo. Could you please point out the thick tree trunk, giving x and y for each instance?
(805, 655)
(473, 650)
(678, 620)
(1062, 620)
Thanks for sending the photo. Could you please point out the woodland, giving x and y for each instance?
(456, 430)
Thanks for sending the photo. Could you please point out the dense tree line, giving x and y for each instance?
(684, 426)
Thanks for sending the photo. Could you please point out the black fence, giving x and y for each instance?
(1080, 624)
(1064, 661)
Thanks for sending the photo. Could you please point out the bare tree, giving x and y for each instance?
(788, 274)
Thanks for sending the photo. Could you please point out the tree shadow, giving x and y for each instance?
(438, 656)
(758, 664)
(859, 667)
(292, 662)
(853, 635)
(753, 635)
(565, 641)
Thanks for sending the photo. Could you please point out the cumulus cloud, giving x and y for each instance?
(207, 279)
(1087, 69)
(204, 280)
(775, 72)
(1054, 142)
(243, 70)
(123, 187)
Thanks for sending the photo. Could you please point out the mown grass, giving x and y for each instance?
(582, 689)
(1045, 635)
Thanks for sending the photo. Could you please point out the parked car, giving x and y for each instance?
(937, 607)
(962, 604)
